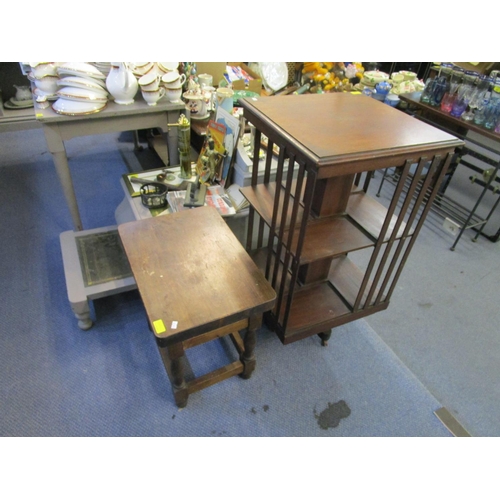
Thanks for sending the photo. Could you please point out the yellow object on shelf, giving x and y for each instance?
(331, 76)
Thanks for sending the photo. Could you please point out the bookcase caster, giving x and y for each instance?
(325, 336)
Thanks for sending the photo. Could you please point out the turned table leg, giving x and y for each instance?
(248, 356)
(172, 359)
(82, 314)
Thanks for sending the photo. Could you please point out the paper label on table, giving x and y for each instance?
(174, 325)
(159, 326)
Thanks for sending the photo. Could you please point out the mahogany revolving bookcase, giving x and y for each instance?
(311, 225)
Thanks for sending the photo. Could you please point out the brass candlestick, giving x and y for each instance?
(185, 147)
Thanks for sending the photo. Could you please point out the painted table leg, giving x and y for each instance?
(82, 314)
(58, 151)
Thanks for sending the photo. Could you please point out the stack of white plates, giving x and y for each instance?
(103, 67)
(166, 67)
(81, 89)
(14, 103)
(371, 78)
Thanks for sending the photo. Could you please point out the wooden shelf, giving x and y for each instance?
(370, 215)
(329, 237)
(330, 300)
(261, 197)
(314, 309)
(346, 277)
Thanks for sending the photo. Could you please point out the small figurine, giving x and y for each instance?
(210, 162)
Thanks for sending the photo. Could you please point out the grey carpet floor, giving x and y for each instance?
(443, 321)
(56, 380)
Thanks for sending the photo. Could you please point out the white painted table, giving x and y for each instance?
(114, 118)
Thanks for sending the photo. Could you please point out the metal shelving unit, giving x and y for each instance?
(480, 159)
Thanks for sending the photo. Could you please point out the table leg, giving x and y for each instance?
(82, 314)
(58, 152)
(248, 356)
(172, 359)
(173, 138)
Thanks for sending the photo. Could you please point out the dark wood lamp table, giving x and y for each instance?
(197, 284)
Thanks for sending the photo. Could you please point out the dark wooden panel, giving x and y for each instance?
(331, 195)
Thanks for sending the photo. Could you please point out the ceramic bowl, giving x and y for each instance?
(379, 97)
(40, 93)
(397, 77)
(47, 84)
(78, 94)
(409, 76)
(80, 69)
(40, 70)
(392, 100)
(373, 77)
(82, 83)
(75, 108)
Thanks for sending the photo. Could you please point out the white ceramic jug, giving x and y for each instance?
(23, 93)
(121, 83)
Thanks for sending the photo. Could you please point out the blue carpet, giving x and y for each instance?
(56, 380)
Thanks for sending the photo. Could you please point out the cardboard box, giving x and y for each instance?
(254, 85)
(216, 69)
(481, 67)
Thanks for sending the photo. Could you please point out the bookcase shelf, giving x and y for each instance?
(317, 211)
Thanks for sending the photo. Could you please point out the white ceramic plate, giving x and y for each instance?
(141, 70)
(13, 103)
(75, 108)
(40, 93)
(82, 83)
(275, 74)
(77, 94)
(80, 69)
(168, 66)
